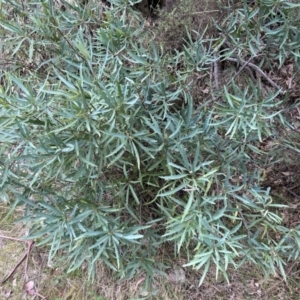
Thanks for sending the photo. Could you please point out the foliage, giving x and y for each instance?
(269, 29)
(103, 142)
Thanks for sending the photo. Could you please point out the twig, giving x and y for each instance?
(258, 70)
(245, 223)
(211, 82)
(294, 194)
(241, 69)
(24, 257)
(15, 268)
(240, 60)
(11, 238)
(250, 72)
(39, 295)
(30, 246)
(216, 72)
(71, 45)
(287, 273)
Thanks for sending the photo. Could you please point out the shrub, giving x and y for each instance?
(103, 142)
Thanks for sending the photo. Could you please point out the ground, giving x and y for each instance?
(53, 283)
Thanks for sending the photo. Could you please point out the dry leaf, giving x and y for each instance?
(288, 82)
(287, 173)
(29, 287)
(14, 283)
(138, 283)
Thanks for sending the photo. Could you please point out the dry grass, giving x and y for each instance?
(178, 15)
(52, 282)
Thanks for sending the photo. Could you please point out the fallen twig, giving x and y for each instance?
(283, 279)
(216, 72)
(251, 65)
(257, 69)
(24, 257)
(241, 69)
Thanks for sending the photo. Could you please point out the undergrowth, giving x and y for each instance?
(103, 142)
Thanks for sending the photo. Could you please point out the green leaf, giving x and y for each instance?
(174, 177)
(173, 191)
(188, 205)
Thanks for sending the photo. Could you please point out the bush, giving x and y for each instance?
(104, 144)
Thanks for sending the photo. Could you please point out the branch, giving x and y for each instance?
(256, 68)
(25, 256)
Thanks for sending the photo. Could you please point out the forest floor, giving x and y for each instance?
(42, 280)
